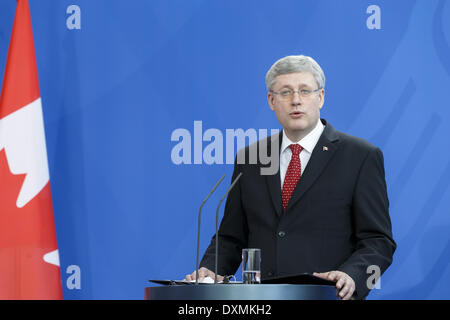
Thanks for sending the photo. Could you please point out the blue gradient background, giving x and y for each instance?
(114, 91)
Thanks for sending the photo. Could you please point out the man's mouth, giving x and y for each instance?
(296, 114)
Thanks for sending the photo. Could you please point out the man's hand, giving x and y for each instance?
(344, 283)
(202, 274)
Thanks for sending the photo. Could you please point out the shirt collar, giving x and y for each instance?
(308, 142)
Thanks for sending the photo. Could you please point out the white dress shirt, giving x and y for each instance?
(307, 143)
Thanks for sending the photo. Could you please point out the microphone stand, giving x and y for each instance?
(217, 225)
(199, 219)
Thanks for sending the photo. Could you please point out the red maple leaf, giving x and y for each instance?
(26, 235)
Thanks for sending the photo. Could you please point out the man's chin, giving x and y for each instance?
(299, 127)
(298, 130)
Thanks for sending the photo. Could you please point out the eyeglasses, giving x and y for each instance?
(286, 94)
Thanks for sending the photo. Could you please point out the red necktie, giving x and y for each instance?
(292, 175)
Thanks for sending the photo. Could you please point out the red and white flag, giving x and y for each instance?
(29, 260)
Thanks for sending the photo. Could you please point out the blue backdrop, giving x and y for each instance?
(117, 78)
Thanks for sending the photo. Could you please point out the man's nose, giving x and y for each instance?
(296, 99)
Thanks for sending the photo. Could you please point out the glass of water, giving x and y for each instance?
(251, 266)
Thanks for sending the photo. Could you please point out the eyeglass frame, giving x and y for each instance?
(291, 95)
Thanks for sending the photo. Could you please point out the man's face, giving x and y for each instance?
(298, 115)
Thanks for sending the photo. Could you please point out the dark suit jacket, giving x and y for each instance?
(336, 219)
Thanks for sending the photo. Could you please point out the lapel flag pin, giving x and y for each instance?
(325, 148)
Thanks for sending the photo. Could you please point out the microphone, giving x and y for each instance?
(217, 225)
(199, 219)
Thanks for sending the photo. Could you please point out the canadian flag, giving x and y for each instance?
(29, 260)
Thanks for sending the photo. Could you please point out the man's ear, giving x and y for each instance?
(322, 98)
(270, 100)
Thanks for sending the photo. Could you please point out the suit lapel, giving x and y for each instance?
(321, 155)
(274, 183)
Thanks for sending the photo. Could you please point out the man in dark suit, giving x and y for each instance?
(325, 211)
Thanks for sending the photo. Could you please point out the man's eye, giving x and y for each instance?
(286, 92)
(305, 92)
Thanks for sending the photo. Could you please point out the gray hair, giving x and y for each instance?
(291, 64)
